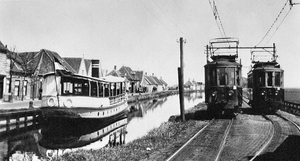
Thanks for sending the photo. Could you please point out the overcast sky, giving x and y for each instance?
(143, 34)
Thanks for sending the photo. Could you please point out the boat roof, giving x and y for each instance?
(111, 79)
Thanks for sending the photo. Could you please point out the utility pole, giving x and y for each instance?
(180, 81)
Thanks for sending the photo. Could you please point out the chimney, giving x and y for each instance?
(152, 74)
(115, 67)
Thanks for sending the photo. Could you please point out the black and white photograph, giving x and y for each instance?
(147, 80)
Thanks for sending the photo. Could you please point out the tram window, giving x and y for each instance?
(93, 89)
(222, 79)
(261, 79)
(269, 78)
(281, 80)
(238, 81)
(230, 76)
(277, 78)
(212, 77)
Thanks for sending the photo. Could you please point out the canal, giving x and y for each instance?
(55, 138)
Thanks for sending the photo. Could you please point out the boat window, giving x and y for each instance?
(118, 88)
(85, 88)
(277, 78)
(77, 88)
(67, 88)
(100, 86)
(106, 90)
(121, 88)
(269, 78)
(261, 79)
(93, 89)
(230, 76)
(221, 74)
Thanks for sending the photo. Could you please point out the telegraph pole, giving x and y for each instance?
(180, 81)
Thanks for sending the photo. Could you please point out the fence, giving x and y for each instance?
(291, 107)
(11, 122)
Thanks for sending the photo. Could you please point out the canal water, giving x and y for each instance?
(54, 139)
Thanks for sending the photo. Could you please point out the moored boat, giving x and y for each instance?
(76, 96)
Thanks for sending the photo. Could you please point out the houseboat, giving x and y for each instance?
(66, 95)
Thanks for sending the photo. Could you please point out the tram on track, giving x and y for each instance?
(223, 76)
(265, 83)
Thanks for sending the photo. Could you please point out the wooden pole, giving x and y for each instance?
(181, 80)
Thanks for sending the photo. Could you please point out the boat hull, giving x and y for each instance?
(85, 112)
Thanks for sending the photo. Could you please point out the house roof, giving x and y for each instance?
(158, 82)
(88, 63)
(139, 75)
(128, 73)
(2, 48)
(115, 73)
(188, 83)
(150, 80)
(166, 84)
(74, 63)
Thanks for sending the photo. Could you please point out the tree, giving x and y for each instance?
(27, 62)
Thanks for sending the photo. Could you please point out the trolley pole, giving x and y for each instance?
(180, 81)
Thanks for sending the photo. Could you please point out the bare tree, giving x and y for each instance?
(27, 62)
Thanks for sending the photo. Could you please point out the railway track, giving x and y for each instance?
(207, 144)
(278, 148)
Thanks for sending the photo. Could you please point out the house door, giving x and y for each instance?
(1, 86)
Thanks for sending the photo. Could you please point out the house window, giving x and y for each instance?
(7, 85)
(25, 88)
(17, 87)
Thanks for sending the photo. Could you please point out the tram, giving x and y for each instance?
(223, 76)
(76, 96)
(265, 84)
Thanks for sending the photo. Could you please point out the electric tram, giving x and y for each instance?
(223, 76)
(265, 82)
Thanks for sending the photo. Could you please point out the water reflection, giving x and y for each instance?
(57, 137)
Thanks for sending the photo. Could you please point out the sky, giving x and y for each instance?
(144, 34)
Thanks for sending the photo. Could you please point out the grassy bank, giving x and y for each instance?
(158, 144)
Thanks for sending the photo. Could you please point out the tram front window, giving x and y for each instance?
(261, 79)
(277, 79)
(212, 77)
(269, 78)
(230, 74)
(222, 79)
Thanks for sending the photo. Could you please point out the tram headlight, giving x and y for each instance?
(230, 93)
(214, 93)
(263, 93)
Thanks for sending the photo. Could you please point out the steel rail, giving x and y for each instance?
(224, 140)
(289, 120)
(267, 143)
(183, 146)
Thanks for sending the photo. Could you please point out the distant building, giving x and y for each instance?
(4, 70)
(139, 81)
(86, 67)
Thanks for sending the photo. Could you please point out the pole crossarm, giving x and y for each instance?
(240, 47)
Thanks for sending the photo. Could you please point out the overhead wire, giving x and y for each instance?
(274, 22)
(279, 25)
(212, 8)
